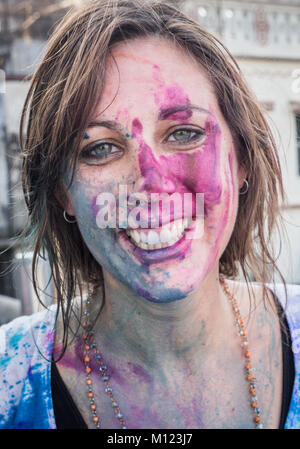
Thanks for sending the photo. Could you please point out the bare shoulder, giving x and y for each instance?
(259, 310)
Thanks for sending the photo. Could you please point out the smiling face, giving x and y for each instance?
(161, 132)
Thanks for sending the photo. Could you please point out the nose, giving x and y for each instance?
(155, 176)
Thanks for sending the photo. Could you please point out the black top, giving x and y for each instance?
(67, 415)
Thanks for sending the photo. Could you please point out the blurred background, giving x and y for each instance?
(263, 35)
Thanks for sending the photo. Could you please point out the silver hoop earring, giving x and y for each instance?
(247, 187)
(66, 218)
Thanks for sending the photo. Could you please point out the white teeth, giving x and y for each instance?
(153, 238)
(143, 237)
(179, 226)
(167, 236)
(174, 233)
(136, 236)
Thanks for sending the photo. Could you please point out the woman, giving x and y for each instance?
(133, 100)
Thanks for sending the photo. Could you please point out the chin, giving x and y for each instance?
(161, 293)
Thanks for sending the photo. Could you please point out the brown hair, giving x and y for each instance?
(64, 91)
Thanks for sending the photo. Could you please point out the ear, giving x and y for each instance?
(242, 174)
(63, 196)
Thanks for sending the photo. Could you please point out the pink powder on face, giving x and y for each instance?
(153, 173)
(197, 172)
(193, 172)
(167, 97)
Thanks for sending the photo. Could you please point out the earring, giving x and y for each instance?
(66, 218)
(247, 187)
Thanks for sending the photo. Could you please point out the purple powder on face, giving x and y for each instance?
(179, 116)
(137, 128)
(137, 370)
(143, 293)
(95, 207)
(168, 97)
(171, 96)
(197, 172)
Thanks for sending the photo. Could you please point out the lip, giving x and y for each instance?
(176, 251)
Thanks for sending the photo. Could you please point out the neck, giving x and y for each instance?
(160, 333)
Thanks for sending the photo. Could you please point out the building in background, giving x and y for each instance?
(264, 36)
(24, 28)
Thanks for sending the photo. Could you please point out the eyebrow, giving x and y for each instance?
(110, 124)
(166, 112)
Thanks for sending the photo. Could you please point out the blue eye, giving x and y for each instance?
(99, 152)
(185, 135)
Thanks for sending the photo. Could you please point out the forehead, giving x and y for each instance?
(141, 72)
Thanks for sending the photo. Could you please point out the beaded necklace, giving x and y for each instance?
(90, 347)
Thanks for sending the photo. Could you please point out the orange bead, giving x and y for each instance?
(252, 391)
(90, 394)
(87, 347)
(257, 419)
(247, 355)
(241, 321)
(95, 419)
(254, 404)
(248, 366)
(88, 370)
(93, 407)
(87, 359)
(89, 381)
(249, 378)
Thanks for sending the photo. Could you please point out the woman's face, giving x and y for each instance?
(157, 133)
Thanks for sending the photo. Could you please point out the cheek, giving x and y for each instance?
(84, 192)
